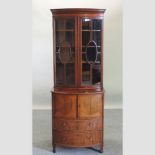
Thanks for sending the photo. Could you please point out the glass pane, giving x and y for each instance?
(70, 24)
(96, 24)
(86, 74)
(63, 24)
(70, 37)
(59, 73)
(85, 38)
(96, 74)
(65, 52)
(98, 60)
(91, 51)
(70, 74)
(86, 24)
(97, 37)
(64, 36)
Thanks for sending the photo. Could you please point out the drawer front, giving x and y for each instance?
(93, 124)
(79, 139)
(64, 106)
(90, 106)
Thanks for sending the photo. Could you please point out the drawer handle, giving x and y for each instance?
(92, 124)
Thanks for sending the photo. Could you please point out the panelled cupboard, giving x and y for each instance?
(78, 94)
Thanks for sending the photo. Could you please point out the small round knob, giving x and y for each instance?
(92, 124)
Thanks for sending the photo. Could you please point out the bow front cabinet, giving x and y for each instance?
(78, 93)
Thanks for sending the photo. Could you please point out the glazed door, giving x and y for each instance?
(65, 51)
(91, 51)
(64, 106)
(90, 106)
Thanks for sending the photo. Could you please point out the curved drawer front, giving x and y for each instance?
(93, 124)
(75, 138)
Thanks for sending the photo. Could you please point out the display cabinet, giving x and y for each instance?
(78, 93)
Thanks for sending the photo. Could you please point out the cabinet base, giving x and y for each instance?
(100, 151)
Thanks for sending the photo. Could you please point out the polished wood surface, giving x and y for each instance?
(77, 119)
(90, 106)
(77, 138)
(90, 124)
(64, 106)
(78, 93)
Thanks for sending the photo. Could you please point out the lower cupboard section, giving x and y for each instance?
(77, 138)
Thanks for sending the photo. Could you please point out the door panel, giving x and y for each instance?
(90, 106)
(64, 106)
(91, 39)
(65, 32)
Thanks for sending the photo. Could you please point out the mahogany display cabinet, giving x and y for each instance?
(78, 93)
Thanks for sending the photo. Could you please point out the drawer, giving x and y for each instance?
(93, 124)
(78, 139)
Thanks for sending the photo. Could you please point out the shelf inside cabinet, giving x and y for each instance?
(71, 30)
(89, 46)
(90, 30)
(98, 62)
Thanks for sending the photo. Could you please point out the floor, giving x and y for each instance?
(42, 135)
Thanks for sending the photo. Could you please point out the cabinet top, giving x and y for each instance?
(77, 10)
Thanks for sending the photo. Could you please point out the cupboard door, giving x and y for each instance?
(91, 51)
(64, 106)
(90, 106)
(65, 51)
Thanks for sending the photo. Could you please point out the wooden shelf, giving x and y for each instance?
(91, 30)
(66, 46)
(89, 46)
(91, 62)
(65, 30)
(85, 52)
(65, 63)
